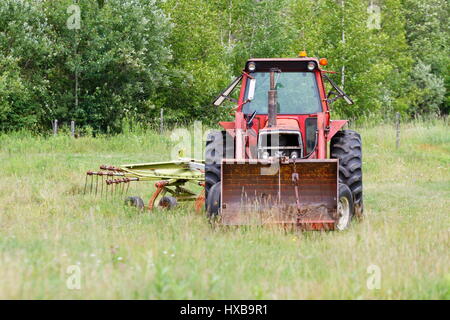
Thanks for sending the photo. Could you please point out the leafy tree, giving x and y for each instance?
(338, 30)
(428, 35)
(26, 54)
(130, 58)
(392, 54)
(198, 69)
(428, 90)
(253, 28)
(15, 100)
(119, 55)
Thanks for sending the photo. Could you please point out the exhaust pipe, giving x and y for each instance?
(272, 97)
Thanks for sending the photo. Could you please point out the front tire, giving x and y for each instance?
(345, 208)
(213, 201)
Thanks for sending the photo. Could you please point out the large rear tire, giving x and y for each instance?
(218, 145)
(346, 146)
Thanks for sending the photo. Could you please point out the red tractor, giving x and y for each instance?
(271, 165)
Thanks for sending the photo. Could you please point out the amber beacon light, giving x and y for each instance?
(323, 61)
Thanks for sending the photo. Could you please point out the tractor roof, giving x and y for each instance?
(283, 59)
(284, 64)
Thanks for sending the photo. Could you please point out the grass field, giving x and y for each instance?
(48, 225)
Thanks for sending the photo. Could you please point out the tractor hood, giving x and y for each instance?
(282, 140)
(284, 124)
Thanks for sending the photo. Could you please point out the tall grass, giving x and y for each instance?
(47, 225)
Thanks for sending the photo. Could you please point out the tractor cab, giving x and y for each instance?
(293, 89)
(297, 87)
(289, 128)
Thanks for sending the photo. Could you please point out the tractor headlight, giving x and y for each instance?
(251, 66)
(311, 66)
(265, 155)
(294, 155)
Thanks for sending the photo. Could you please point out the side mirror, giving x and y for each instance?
(339, 93)
(251, 89)
(225, 95)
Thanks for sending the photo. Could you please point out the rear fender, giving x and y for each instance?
(335, 126)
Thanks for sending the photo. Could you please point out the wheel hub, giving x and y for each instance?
(343, 213)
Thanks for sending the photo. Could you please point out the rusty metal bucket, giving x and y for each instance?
(303, 193)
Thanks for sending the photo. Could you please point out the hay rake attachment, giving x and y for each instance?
(170, 177)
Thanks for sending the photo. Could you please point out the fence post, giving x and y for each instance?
(397, 128)
(72, 128)
(55, 127)
(161, 121)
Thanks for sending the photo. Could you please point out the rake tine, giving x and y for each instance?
(92, 184)
(96, 185)
(101, 190)
(128, 187)
(123, 189)
(85, 184)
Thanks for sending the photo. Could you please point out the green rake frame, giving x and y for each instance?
(170, 177)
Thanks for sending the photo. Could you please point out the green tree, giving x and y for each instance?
(132, 57)
(27, 51)
(428, 90)
(119, 56)
(198, 70)
(392, 52)
(338, 31)
(371, 56)
(253, 28)
(118, 59)
(428, 36)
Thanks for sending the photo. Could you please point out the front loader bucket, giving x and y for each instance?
(301, 192)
